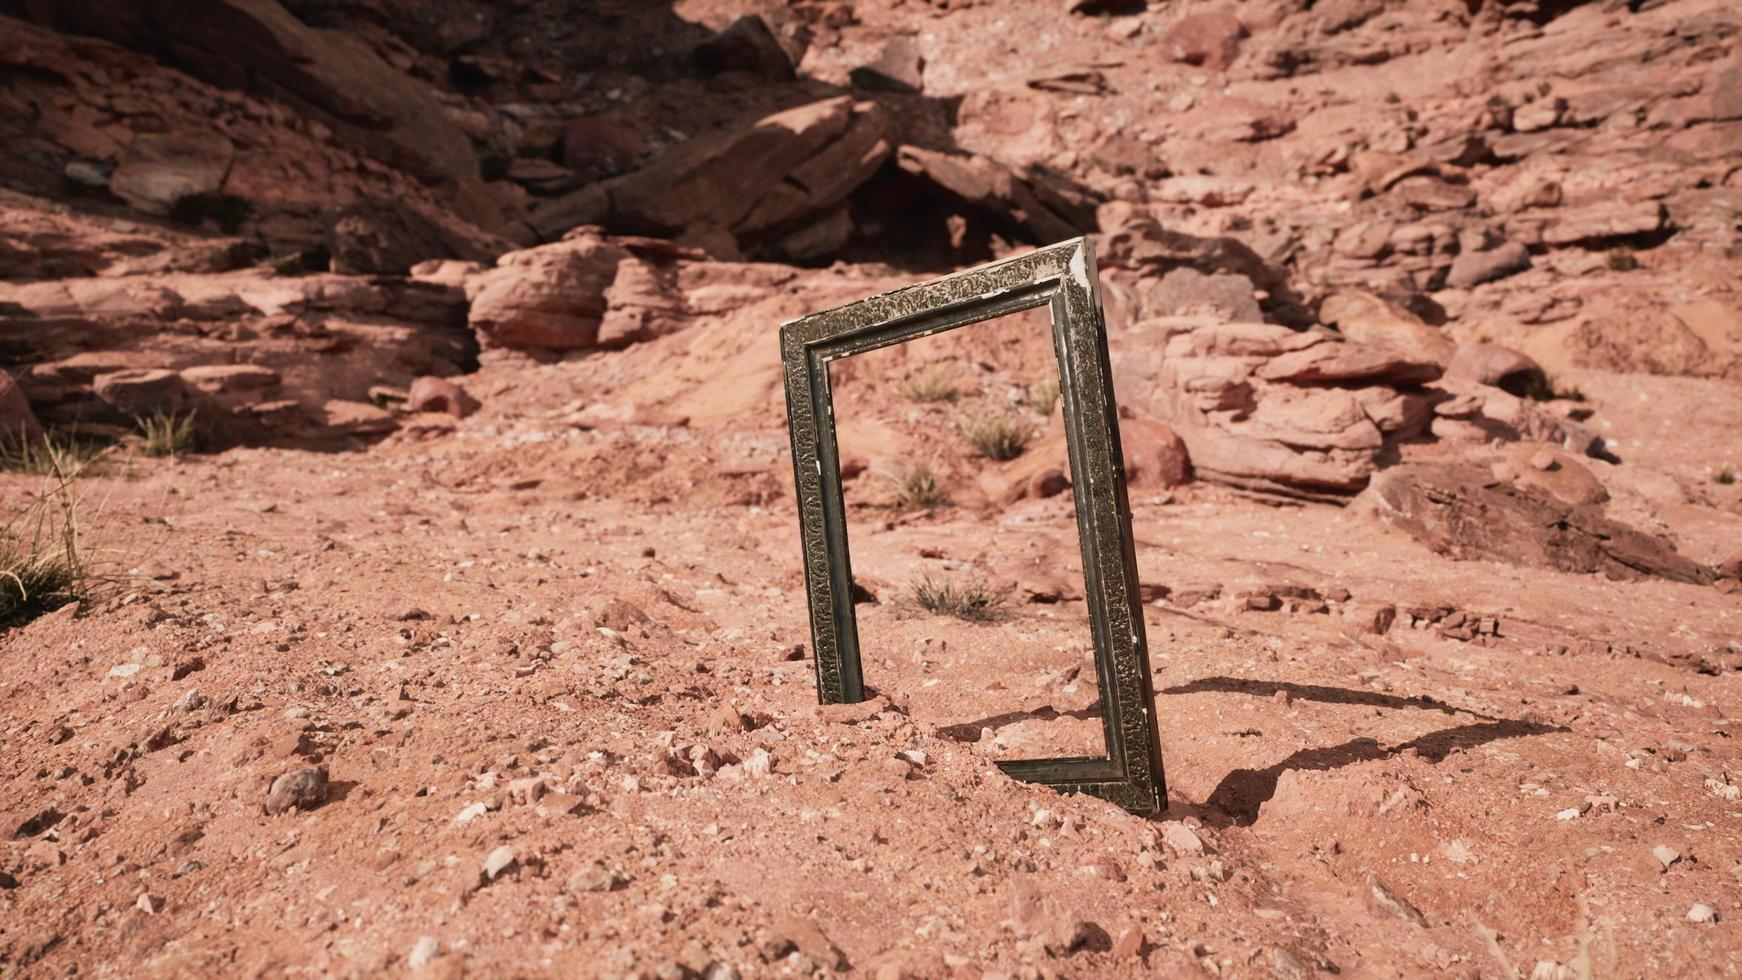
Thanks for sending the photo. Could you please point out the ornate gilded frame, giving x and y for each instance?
(1062, 277)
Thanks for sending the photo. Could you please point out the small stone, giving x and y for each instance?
(299, 789)
(526, 790)
(1570, 813)
(1130, 943)
(725, 720)
(43, 855)
(1666, 855)
(498, 861)
(471, 813)
(1474, 268)
(810, 940)
(758, 764)
(561, 804)
(431, 394)
(1702, 913)
(1181, 839)
(425, 949)
(148, 903)
(125, 670)
(1372, 617)
(1538, 115)
(595, 877)
(1381, 897)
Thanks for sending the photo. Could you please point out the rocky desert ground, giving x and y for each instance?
(402, 566)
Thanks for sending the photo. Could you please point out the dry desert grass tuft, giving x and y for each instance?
(970, 600)
(42, 564)
(997, 437)
(171, 434)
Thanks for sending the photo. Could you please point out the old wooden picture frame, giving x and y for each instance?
(1062, 277)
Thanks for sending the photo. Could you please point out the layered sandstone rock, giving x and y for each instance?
(260, 45)
(1263, 407)
(254, 354)
(586, 291)
(1460, 510)
(744, 189)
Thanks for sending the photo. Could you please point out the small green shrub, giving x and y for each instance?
(972, 601)
(932, 385)
(997, 437)
(919, 489)
(1726, 476)
(171, 434)
(1621, 259)
(1043, 398)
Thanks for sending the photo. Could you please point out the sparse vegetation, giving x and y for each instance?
(1726, 476)
(41, 565)
(971, 601)
(1621, 259)
(997, 437)
(171, 433)
(919, 489)
(1043, 398)
(931, 385)
(55, 452)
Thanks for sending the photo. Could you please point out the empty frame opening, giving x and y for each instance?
(962, 531)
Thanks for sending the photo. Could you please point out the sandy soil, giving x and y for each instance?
(586, 644)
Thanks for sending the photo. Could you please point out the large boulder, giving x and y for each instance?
(1210, 38)
(1266, 408)
(1468, 412)
(744, 189)
(551, 297)
(1474, 268)
(1185, 291)
(586, 291)
(1460, 510)
(144, 392)
(432, 394)
(1497, 365)
(1155, 455)
(1378, 322)
(159, 170)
